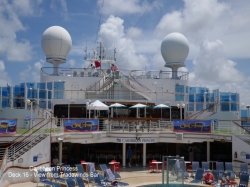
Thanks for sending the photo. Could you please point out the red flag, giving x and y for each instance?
(97, 64)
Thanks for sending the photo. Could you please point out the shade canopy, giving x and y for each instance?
(139, 106)
(117, 105)
(162, 106)
(97, 105)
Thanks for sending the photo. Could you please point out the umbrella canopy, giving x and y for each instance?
(139, 106)
(97, 105)
(161, 106)
(117, 105)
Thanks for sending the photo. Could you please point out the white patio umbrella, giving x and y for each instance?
(139, 105)
(117, 105)
(161, 106)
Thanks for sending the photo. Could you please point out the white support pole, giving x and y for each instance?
(144, 158)
(31, 110)
(145, 112)
(60, 152)
(208, 151)
(124, 155)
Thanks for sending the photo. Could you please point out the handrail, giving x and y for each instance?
(26, 137)
(26, 132)
(94, 84)
(241, 127)
(4, 161)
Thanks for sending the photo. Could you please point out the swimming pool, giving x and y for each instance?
(170, 185)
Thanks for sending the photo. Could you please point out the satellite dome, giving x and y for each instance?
(56, 44)
(174, 49)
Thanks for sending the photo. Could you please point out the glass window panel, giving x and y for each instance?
(191, 98)
(42, 94)
(41, 86)
(179, 88)
(224, 96)
(191, 107)
(179, 97)
(210, 97)
(187, 88)
(32, 93)
(244, 113)
(233, 107)
(233, 97)
(49, 94)
(224, 107)
(192, 90)
(199, 107)
(58, 85)
(42, 104)
(31, 85)
(49, 105)
(49, 85)
(58, 95)
(199, 98)
(5, 91)
(5, 103)
(200, 90)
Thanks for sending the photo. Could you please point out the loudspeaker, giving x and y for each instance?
(179, 136)
(97, 136)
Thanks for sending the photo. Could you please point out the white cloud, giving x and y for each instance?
(10, 24)
(60, 6)
(72, 62)
(210, 20)
(121, 7)
(4, 77)
(32, 74)
(112, 34)
(214, 70)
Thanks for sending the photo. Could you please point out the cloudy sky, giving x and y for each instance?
(218, 33)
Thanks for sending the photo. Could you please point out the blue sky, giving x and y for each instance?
(218, 33)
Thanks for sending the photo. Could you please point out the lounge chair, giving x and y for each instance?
(220, 168)
(43, 179)
(56, 177)
(205, 165)
(111, 177)
(104, 168)
(216, 174)
(77, 179)
(244, 178)
(195, 166)
(81, 172)
(98, 180)
(229, 168)
(243, 168)
(198, 177)
(184, 169)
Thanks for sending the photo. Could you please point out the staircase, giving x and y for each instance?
(131, 84)
(104, 84)
(30, 138)
(241, 133)
(205, 113)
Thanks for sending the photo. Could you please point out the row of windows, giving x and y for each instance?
(223, 107)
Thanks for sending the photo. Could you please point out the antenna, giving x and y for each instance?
(114, 54)
(86, 51)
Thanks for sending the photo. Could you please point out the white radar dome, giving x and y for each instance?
(56, 44)
(174, 49)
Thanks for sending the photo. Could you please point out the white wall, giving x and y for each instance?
(43, 149)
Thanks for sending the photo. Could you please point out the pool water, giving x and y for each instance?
(170, 185)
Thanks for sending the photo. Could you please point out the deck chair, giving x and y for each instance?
(220, 168)
(78, 180)
(81, 173)
(205, 165)
(104, 168)
(243, 168)
(111, 177)
(198, 177)
(195, 166)
(43, 179)
(184, 169)
(56, 177)
(244, 178)
(229, 168)
(98, 180)
(216, 174)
